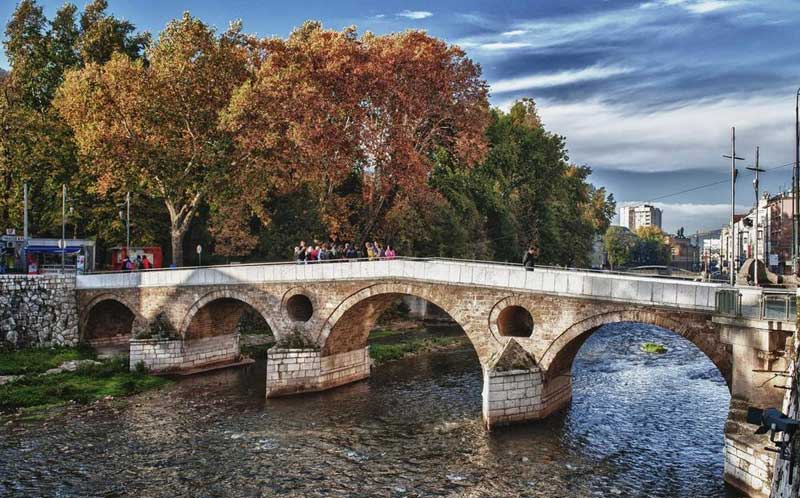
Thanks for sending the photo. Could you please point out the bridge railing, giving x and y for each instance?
(760, 304)
(425, 259)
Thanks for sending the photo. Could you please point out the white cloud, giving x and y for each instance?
(693, 135)
(515, 32)
(556, 79)
(501, 46)
(415, 14)
(693, 6)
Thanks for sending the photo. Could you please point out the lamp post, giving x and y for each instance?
(63, 244)
(127, 218)
(756, 170)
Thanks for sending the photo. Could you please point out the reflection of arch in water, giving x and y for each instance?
(559, 356)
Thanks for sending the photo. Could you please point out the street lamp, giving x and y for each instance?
(62, 244)
(127, 218)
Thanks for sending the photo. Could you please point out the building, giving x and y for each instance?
(685, 253)
(635, 217)
(770, 236)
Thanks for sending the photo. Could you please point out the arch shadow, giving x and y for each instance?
(347, 328)
(234, 304)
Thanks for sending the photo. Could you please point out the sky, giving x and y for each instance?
(645, 91)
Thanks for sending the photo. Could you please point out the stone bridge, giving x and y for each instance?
(525, 326)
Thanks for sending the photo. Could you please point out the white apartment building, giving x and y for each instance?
(634, 217)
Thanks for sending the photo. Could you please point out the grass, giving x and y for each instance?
(652, 347)
(39, 360)
(254, 350)
(382, 353)
(88, 383)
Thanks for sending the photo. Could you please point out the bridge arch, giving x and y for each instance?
(347, 327)
(559, 355)
(222, 309)
(108, 320)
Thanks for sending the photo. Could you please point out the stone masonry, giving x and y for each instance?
(38, 311)
(163, 355)
(293, 371)
(525, 327)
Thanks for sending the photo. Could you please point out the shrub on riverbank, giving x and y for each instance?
(87, 383)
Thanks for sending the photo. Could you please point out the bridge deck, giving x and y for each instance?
(662, 292)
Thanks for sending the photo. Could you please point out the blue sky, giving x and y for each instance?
(645, 91)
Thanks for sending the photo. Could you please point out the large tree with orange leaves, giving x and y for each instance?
(355, 119)
(153, 126)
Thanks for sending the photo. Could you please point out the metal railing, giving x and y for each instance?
(768, 305)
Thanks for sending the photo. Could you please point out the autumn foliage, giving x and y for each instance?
(355, 118)
(249, 144)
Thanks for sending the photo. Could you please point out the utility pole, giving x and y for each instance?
(756, 170)
(796, 188)
(734, 174)
(63, 244)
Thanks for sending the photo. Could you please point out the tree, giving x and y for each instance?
(154, 127)
(102, 35)
(652, 247)
(355, 120)
(619, 243)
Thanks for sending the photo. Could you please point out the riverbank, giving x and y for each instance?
(401, 339)
(37, 379)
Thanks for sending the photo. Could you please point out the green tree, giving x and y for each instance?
(619, 243)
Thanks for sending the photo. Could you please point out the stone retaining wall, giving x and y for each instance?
(781, 486)
(748, 466)
(293, 371)
(38, 311)
(162, 355)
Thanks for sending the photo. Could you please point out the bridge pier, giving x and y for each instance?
(758, 347)
(295, 371)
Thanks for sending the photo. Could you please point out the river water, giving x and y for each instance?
(639, 425)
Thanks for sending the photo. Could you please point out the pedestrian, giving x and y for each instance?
(146, 265)
(350, 251)
(369, 251)
(528, 261)
(390, 254)
(127, 264)
(139, 262)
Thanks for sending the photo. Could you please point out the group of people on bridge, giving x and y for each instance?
(334, 250)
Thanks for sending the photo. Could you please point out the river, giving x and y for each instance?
(639, 425)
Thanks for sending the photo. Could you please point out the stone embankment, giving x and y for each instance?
(786, 480)
(38, 310)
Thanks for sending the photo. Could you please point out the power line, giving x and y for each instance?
(699, 187)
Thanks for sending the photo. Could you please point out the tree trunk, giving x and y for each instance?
(176, 235)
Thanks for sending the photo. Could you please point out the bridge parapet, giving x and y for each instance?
(662, 292)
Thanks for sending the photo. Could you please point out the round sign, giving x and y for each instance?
(62, 243)
(199, 249)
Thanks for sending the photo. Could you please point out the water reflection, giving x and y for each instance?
(639, 425)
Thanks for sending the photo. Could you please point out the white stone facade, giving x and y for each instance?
(291, 371)
(163, 355)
